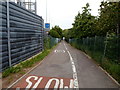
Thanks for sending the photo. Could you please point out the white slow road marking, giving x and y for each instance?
(74, 69)
(29, 82)
(49, 83)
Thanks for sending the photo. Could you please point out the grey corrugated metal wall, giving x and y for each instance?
(0, 37)
(26, 34)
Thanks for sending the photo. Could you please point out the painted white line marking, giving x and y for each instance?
(74, 69)
(50, 81)
(55, 51)
(59, 51)
(38, 82)
(24, 75)
(29, 82)
(61, 83)
(71, 83)
(64, 51)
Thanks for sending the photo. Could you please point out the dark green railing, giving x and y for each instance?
(105, 50)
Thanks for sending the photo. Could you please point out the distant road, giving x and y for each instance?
(67, 67)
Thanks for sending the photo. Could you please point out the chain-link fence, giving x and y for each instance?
(105, 50)
(49, 42)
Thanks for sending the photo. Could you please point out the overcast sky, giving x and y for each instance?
(63, 12)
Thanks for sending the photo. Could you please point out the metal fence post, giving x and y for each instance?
(94, 44)
(83, 41)
(8, 29)
(105, 48)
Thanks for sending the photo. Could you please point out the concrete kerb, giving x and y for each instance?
(102, 69)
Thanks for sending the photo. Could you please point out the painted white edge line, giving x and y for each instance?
(27, 72)
(104, 70)
(73, 68)
(24, 74)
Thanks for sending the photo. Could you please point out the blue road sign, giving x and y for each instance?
(47, 25)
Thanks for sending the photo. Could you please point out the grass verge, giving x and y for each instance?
(26, 64)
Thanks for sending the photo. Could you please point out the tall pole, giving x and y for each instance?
(46, 11)
(36, 6)
(8, 30)
(28, 4)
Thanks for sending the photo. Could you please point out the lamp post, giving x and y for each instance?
(46, 11)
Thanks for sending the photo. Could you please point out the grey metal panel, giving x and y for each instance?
(26, 34)
(23, 10)
(22, 16)
(12, 18)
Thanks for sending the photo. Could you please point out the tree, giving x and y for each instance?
(83, 24)
(87, 25)
(107, 21)
(56, 32)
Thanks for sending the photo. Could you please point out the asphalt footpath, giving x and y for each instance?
(66, 67)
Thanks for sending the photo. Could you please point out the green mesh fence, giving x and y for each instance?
(49, 42)
(105, 50)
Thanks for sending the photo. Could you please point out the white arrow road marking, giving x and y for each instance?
(74, 69)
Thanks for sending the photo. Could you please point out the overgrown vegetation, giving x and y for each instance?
(98, 36)
(87, 25)
(31, 62)
(49, 42)
(95, 47)
(56, 32)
